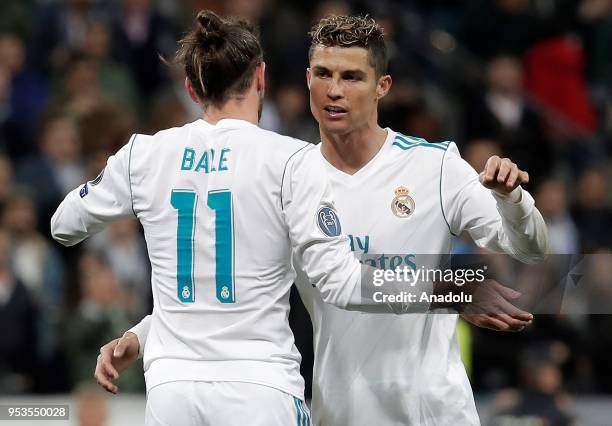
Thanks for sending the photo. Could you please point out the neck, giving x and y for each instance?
(243, 108)
(351, 151)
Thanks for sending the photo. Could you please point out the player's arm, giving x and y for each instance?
(493, 208)
(321, 252)
(121, 353)
(89, 208)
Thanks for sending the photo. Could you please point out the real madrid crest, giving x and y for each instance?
(403, 204)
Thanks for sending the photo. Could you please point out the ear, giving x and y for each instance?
(383, 86)
(260, 75)
(192, 93)
(308, 77)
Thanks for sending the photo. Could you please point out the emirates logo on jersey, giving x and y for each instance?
(403, 204)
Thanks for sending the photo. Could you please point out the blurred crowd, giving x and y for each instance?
(527, 79)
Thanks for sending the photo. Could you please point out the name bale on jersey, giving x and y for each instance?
(206, 161)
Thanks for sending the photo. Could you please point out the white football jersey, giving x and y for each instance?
(409, 200)
(224, 208)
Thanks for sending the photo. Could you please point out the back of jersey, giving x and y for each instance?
(209, 198)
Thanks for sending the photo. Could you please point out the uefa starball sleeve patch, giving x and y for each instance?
(84, 191)
(329, 222)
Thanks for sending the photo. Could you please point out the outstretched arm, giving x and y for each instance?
(89, 208)
(492, 207)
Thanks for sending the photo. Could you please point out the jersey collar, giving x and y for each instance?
(365, 170)
(227, 123)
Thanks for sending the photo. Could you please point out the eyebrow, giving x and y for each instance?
(349, 71)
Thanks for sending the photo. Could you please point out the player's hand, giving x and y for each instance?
(116, 356)
(491, 308)
(498, 322)
(502, 175)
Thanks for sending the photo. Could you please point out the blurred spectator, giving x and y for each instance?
(540, 399)
(6, 181)
(555, 76)
(478, 151)
(294, 113)
(596, 31)
(61, 29)
(493, 26)
(504, 114)
(16, 16)
(56, 170)
(595, 17)
(251, 10)
(125, 251)
(424, 124)
(140, 35)
(169, 111)
(35, 260)
(591, 213)
(38, 266)
(92, 408)
(173, 107)
(104, 130)
(333, 7)
(551, 199)
(99, 317)
(284, 35)
(19, 315)
(23, 93)
(80, 91)
(598, 278)
(115, 80)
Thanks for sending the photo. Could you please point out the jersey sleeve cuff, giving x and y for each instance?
(516, 205)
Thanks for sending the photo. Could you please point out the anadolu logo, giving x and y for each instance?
(328, 222)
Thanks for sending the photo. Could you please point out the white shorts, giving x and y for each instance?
(223, 404)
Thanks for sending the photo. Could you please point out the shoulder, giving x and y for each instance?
(164, 139)
(165, 134)
(443, 157)
(419, 146)
(280, 148)
(283, 144)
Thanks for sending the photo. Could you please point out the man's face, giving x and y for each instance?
(343, 87)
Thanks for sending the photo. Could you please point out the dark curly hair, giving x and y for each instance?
(351, 31)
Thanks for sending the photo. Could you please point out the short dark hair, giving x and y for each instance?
(219, 56)
(350, 31)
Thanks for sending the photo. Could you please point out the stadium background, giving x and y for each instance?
(531, 80)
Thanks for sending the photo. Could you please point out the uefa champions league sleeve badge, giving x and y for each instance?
(329, 222)
(403, 204)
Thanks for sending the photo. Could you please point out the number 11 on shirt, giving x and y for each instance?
(186, 201)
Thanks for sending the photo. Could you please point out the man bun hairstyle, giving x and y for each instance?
(219, 56)
(352, 31)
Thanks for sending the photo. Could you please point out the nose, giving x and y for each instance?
(334, 91)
